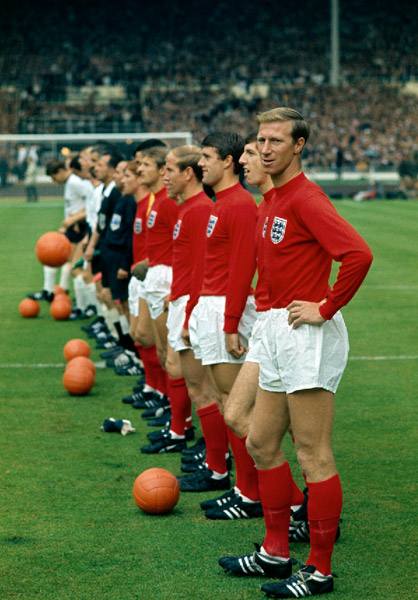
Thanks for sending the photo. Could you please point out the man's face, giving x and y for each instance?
(130, 182)
(119, 173)
(85, 163)
(276, 147)
(212, 166)
(60, 176)
(102, 170)
(253, 169)
(174, 179)
(149, 171)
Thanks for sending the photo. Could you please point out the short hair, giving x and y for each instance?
(157, 153)
(132, 166)
(151, 143)
(75, 163)
(55, 165)
(251, 137)
(300, 127)
(189, 156)
(103, 147)
(114, 158)
(226, 143)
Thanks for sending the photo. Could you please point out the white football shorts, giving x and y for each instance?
(157, 285)
(311, 356)
(256, 337)
(175, 321)
(206, 329)
(136, 290)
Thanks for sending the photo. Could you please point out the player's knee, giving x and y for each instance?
(315, 462)
(173, 369)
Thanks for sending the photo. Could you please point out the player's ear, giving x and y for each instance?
(228, 161)
(299, 145)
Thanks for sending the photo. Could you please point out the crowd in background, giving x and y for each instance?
(183, 67)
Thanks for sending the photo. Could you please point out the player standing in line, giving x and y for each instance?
(302, 357)
(104, 171)
(151, 394)
(73, 225)
(222, 320)
(239, 408)
(158, 273)
(183, 180)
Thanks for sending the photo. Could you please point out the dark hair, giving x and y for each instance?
(114, 158)
(226, 143)
(251, 137)
(102, 147)
(75, 163)
(151, 143)
(55, 165)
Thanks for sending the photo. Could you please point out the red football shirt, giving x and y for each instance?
(261, 294)
(189, 249)
(160, 224)
(139, 242)
(230, 252)
(304, 235)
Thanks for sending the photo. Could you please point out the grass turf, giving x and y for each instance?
(69, 527)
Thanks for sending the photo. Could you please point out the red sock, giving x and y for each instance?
(180, 404)
(214, 432)
(153, 369)
(324, 509)
(246, 473)
(297, 495)
(275, 487)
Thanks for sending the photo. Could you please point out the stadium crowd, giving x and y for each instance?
(184, 77)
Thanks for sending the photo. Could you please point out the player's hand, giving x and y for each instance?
(140, 270)
(122, 274)
(185, 337)
(301, 312)
(62, 229)
(166, 302)
(234, 346)
(88, 253)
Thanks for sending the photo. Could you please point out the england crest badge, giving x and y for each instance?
(151, 219)
(115, 222)
(138, 226)
(176, 229)
(277, 230)
(211, 225)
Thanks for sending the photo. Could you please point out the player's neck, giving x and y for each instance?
(281, 179)
(227, 181)
(191, 190)
(156, 187)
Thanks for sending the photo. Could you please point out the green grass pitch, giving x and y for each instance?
(69, 528)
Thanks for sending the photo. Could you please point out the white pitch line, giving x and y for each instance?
(382, 357)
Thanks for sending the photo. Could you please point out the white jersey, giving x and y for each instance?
(75, 193)
(93, 202)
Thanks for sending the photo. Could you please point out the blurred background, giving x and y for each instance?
(99, 68)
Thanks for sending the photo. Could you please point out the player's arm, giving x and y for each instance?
(345, 245)
(241, 267)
